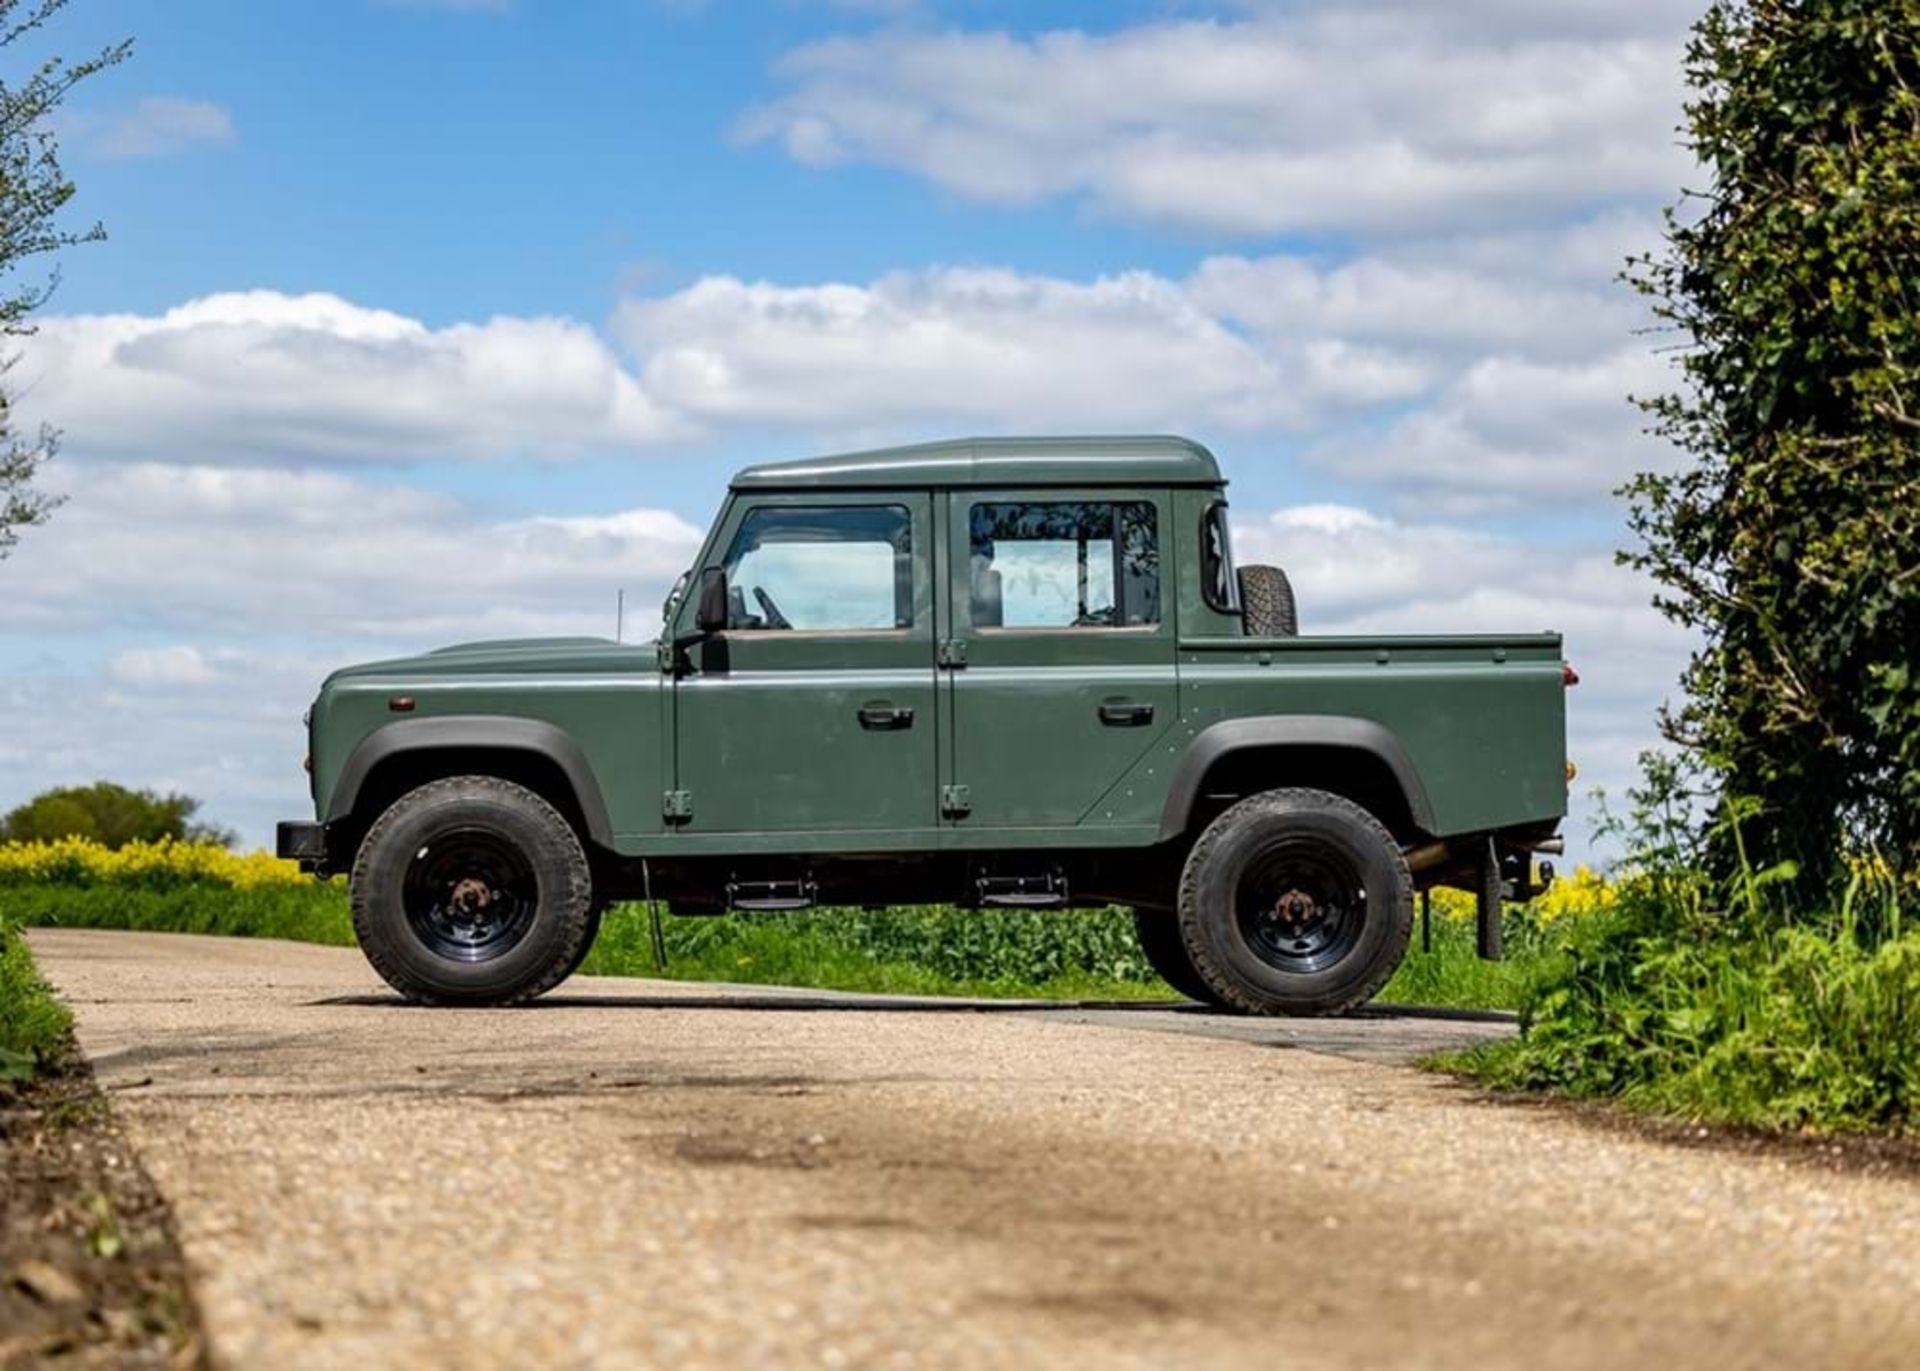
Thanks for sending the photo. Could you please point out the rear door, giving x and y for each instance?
(1061, 648)
(814, 710)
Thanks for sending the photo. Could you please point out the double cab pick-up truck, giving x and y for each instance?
(993, 672)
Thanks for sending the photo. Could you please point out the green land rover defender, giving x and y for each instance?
(985, 672)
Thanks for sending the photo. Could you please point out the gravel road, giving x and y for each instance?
(637, 1173)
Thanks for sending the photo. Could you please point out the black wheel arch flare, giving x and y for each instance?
(1220, 741)
(485, 732)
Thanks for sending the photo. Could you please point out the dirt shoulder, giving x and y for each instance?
(92, 1270)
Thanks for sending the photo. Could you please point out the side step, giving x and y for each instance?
(772, 896)
(1048, 891)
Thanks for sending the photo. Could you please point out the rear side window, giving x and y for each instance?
(831, 567)
(1218, 578)
(1065, 564)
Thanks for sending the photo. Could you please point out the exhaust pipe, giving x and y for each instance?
(1426, 857)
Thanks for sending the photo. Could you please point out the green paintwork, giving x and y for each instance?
(762, 729)
(1023, 462)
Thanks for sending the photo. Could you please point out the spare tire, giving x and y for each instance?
(1266, 603)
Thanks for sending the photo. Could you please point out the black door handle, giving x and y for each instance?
(1125, 714)
(885, 718)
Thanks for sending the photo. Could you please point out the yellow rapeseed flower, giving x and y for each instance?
(78, 861)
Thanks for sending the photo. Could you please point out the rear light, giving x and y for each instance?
(1572, 771)
(1568, 676)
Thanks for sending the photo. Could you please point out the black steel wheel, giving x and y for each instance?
(1302, 903)
(470, 895)
(472, 891)
(1295, 902)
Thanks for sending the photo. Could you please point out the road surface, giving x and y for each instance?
(638, 1173)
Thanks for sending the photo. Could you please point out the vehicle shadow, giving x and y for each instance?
(846, 1002)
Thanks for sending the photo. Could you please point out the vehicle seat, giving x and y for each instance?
(989, 597)
(737, 616)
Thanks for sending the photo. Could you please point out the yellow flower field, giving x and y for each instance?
(78, 862)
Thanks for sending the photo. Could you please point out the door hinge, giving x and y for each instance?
(956, 801)
(953, 654)
(678, 806)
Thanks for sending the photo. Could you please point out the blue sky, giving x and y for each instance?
(421, 321)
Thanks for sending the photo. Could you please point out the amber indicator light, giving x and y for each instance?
(401, 704)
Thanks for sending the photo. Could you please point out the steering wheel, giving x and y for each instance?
(775, 619)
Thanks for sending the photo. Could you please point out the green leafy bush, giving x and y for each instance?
(1791, 540)
(1726, 999)
(111, 815)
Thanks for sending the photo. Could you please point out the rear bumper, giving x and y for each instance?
(302, 841)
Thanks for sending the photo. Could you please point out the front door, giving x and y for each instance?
(1063, 673)
(814, 710)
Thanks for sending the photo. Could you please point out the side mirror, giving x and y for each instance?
(710, 615)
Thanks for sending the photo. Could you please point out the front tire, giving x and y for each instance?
(472, 891)
(1296, 902)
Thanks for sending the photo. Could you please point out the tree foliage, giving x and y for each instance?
(109, 814)
(33, 191)
(1790, 540)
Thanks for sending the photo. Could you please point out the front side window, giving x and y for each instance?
(1065, 564)
(832, 567)
(1217, 575)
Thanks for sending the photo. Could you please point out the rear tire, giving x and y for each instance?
(1158, 934)
(586, 943)
(472, 891)
(1296, 902)
(1266, 603)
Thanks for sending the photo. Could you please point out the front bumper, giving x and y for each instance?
(302, 841)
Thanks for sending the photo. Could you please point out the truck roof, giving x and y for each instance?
(1116, 460)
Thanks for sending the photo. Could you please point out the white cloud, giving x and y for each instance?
(234, 740)
(162, 666)
(1428, 304)
(1328, 119)
(1503, 364)
(1508, 429)
(157, 126)
(985, 345)
(244, 553)
(261, 376)
(1511, 18)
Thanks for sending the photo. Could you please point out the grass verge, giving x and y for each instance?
(308, 912)
(33, 1024)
